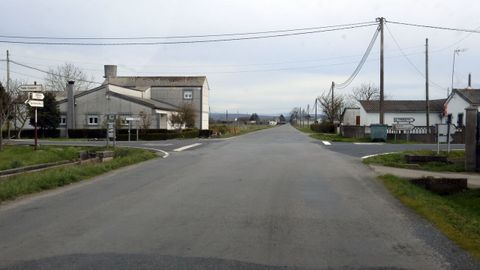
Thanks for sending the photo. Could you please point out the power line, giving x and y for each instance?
(475, 31)
(184, 42)
(409, 61)
(362, 62)
(50, 73)
(185, 36)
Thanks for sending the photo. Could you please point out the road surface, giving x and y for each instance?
(252, 202)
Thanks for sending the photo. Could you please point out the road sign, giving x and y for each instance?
(39, 96)
(132, 119)
(31, 88)
(403, 126)
(404, 119)
(35, 103)
(443, 129)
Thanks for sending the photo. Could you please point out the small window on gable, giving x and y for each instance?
(92, 120)
(460, 119)
(63, 120)
(188, 94)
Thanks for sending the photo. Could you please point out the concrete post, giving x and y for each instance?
(471, 139)
(70, 106)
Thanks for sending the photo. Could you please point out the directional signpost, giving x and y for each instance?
(403, 124)
(35, 100)
(444, 135)
(31, 88)
(130, 119)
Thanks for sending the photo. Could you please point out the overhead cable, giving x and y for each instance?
(475, 31)
(350, 79)
(186, 36)
(50, 73)
(409, 61)
(147, 43)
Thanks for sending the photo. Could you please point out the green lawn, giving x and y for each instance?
(457, 216)
(329, 136)
(14, 156)
(398, 160)
(26, 183)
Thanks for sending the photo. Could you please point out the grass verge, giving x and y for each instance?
(398, 160)
(457, 216)
(18, 185)
(14, 156)
(329, 136)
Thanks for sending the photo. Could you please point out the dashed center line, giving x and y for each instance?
(186, 147)
(326, 142)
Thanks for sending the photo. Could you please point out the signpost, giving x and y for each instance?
(403, 124)
(444, 135)
(130, 119)
(31, 88)
(35, 100)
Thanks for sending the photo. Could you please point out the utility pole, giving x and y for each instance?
(333, 102)
(381, 108)
(316, 100)
(427, 105)
(308, 115)
(8, 72)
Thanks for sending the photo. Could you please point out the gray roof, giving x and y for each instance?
(144, 82)
(395, 106)
(154, 104)
(470, 95)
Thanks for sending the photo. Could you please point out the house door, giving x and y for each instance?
(357, 120)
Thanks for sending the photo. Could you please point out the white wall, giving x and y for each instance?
(350, 116)
(420, 118)
(456, 105)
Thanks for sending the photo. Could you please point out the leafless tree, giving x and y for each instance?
(58, 77)
(20, 111)
(184, 116)
(145, 120)
(366, 91)
(5, 110)
(333, 110)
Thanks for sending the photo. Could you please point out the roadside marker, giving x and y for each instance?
(186, 147)
(326, 142)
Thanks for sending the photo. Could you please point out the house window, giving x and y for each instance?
(460, 119)
(92, 120)
(63, 120)
(187, 94)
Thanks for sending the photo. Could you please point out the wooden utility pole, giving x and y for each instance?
(427, 102)
(333, 102)
(8, 72)
(381, 108)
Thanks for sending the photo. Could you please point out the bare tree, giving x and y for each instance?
(5, 110)
(366, 91)
(57, 78)
(333, 110)
(184, 116)
(20, 111)
(145, 120)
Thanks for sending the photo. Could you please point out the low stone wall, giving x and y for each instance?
(441, 186)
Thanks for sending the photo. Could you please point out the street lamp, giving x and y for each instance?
(455, 52)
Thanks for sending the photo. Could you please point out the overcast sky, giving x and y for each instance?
(266, 76)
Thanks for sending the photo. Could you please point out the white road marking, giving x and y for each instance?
(326, 142)
(369, 143)
(186, 147)
(158, 144)
(374, 155)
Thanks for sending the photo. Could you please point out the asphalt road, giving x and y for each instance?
(252, 202)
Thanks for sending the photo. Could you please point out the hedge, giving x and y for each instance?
(324, 127)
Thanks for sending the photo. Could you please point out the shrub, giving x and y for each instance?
(323, 127)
